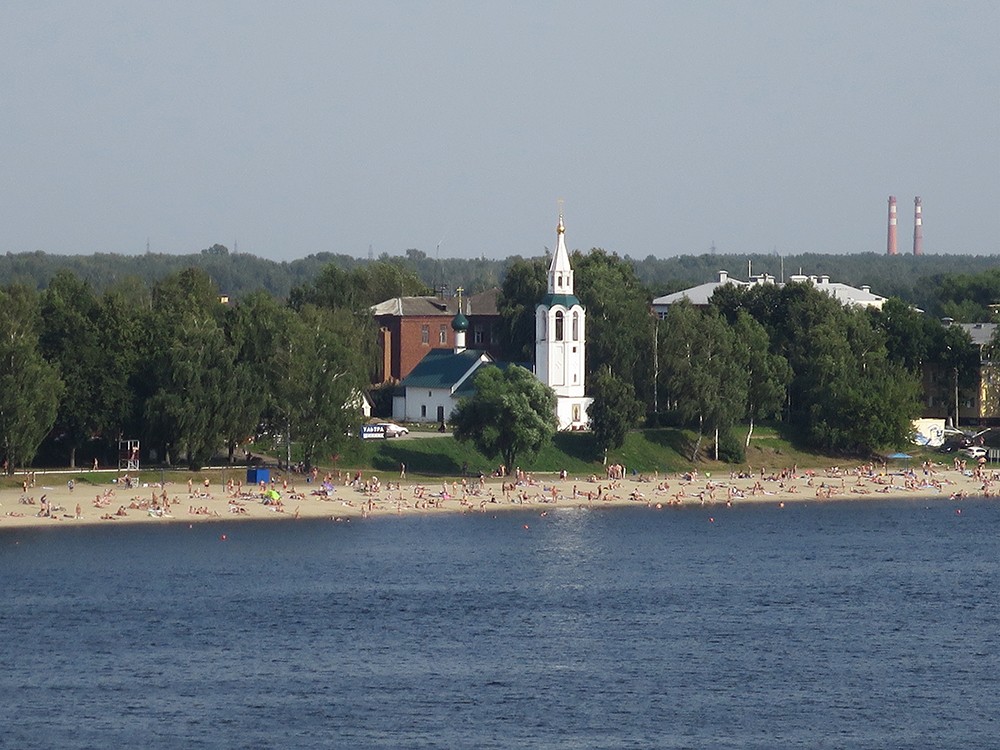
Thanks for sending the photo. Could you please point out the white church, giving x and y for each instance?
(434, 387)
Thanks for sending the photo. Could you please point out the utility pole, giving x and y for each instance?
(656, 365)
(956, 398)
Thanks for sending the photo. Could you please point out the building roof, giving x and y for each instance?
(566, 300)
(444, 368)
(980, 333)
(484, 303)
(698, 295)
(843, 293)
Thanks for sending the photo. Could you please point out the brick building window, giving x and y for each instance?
(477, 335)
(443, 335)
(425, 334)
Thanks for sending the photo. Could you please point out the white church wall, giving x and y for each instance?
(422, 404)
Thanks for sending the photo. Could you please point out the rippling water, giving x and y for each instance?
(856, 625)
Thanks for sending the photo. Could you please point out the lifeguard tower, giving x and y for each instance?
(128, 455)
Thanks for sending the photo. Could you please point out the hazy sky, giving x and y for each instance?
(300, 127)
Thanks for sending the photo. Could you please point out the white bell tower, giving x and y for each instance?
(560, 339)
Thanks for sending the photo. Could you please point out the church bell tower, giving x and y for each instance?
(560, 341)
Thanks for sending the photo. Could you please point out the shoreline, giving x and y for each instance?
(343, 501)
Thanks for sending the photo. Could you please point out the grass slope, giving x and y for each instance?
(663, 450)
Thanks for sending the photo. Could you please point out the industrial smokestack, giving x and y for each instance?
(891, 241)
(918, 228)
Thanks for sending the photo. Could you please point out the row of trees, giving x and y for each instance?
(928, 282)
(186, 374)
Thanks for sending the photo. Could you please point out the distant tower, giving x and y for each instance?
(459, 324)
(918, 228)
(560, 340)
(891, 242)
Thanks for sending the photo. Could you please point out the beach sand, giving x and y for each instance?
(113, 503)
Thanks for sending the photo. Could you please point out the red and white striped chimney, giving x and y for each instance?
(918, 228)
(891, 241)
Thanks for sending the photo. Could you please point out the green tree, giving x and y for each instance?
(511, 414)
(195, 397)
(30, 387)
(120, 331)
(523, 288)
(768, 373)
(613, 412)
(69, 338)
(254, 327)
(188, 363)
(93, 342)
(909, 334)
(705, 374)
(320, 373)
(620, 329)
(967, 297)
(358, 288)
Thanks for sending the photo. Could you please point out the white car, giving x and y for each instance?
(392, 430)
(975, 451)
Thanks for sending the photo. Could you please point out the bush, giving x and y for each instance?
(731, 448)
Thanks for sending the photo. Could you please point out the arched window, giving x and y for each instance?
(576, 326)
(559, 325)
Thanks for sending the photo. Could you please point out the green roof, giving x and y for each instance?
(566, 300)
(442, 368)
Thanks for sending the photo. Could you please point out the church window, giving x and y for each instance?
(477, 334)
(576, 412)
(425, 334)
(576, 327)
(443, 335)
(559, 280)
(423, 410)
(559, 326)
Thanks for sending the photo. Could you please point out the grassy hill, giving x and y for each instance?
(662, 450)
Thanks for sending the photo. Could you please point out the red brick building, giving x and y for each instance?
(410, 327)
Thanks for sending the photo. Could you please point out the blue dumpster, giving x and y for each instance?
(256, 476)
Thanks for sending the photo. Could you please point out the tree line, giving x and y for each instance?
(930, 282)
(173, 366)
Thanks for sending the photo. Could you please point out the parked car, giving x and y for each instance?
(952, 445)
(392, 430)
(975, 451)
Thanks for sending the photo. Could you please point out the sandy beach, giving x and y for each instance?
(50, 501)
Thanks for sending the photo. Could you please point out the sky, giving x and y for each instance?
(284, 129)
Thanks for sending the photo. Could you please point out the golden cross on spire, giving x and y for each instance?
(459, 291)
(560, 229)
